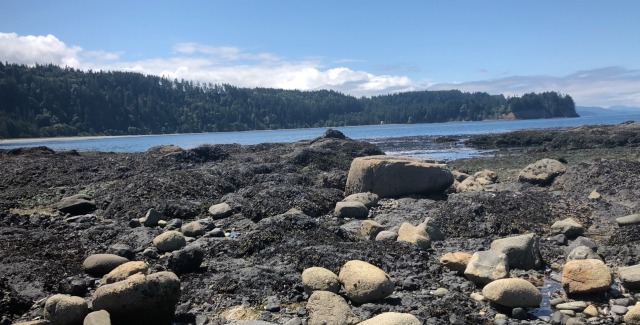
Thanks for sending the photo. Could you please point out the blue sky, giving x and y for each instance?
(588, 49)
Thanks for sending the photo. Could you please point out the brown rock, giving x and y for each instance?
(583, 276)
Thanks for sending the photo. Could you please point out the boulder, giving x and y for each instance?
(364, 282)
(386, 235)
(523, 251)
(542, 172)
(64, 309)
(392, 318)
(123, 250)
(630, 276)
(169, 241)
(193, 229)
(582, 253)
(126, 270)
(130, 301)
(569, 227)
(632, 317)
(100, 317)
(414, 235)
(632, 219)
(370, 229)
(77, 204)
(329, 308)
(470, 184)
(152, 218)
(584, 276)
(456, 261)
(459, 176)
(351, 209)
(581, 241)
(486, 176)
(101, 264)
(397, 176)
(432, 229)
(368, 199)
(319, 279)
(220, 210)
(186, 260)
(487, 266)
(512, 293)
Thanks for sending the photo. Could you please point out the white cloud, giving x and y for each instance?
(227, 64)
(37, 49)
(603, 87)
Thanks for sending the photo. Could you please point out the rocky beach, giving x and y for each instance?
(543, 230)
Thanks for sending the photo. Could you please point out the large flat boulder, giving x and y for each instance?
(397, 176)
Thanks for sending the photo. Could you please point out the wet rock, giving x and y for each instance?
(186, 260)
(329, 308)
(630, 276)
(368, 199)
(351, 209)
(77, 204)
(63, 309)
(392, 318)
(414, 235)
(513, 292)
(129, 301)
(632, 219)
(397, 176)
(487, 266)
(370, 229)
(584, 276)
(152, 218)
(100, 317)
(220, 210)
(364, 282)
(151, 252)
(569, 227)
(582, 253)
(126, 270)
(319, 279)
(169, 241)
(523, 251)
(101, 264)
(542, 172)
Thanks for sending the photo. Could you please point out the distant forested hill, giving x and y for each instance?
(47, 101)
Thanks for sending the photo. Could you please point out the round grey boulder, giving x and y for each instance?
(186, 260)
(100, 317)
(126, 270)
(328, 308)
(513, 292)
(169, 241)
(220, 211)
(193, 229)
(101, 264)
(319, 279)
(64, 309)
(364, 282)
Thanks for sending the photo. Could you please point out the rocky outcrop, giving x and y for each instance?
(396, 176)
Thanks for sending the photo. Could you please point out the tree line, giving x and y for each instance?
(49, 101)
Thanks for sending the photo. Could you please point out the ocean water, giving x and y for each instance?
(373, 133)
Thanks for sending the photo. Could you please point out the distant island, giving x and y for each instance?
(51, 101)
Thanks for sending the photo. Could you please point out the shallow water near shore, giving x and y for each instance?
(417, 139)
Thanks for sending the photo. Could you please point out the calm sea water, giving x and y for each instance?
(377, 133)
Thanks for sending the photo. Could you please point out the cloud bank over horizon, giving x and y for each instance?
(603, 86)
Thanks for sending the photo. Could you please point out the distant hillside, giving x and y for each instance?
(48, 101)
(600, 111)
